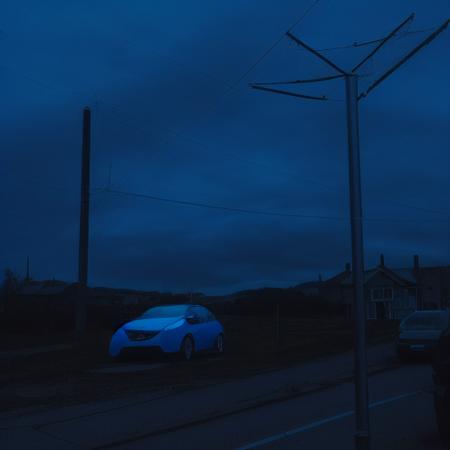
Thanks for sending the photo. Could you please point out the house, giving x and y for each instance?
(46, 290)
(434, 287)
(389, 293)
(393, 293)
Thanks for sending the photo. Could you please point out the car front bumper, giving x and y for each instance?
(138, 352)
(416, 347)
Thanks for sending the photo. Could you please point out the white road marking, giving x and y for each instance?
(318, 423)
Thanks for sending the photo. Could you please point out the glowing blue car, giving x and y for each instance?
(172, 329)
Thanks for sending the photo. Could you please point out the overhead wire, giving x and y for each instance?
(237, 82)
(357, 44)
(218, 207)
(274, 45)
(255, 211)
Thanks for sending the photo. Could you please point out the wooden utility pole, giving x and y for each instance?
(84, 224)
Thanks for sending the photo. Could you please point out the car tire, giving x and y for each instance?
(219, 345)
(187, 349)
(442, 413)
(402, 356)
(443, 427)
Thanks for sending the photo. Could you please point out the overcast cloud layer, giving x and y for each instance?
(169, 120)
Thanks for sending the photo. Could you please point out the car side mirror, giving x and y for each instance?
(192, 319)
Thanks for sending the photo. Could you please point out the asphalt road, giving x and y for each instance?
(304, 407)
(402, 418)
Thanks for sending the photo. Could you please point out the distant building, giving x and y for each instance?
(46, 289)
(391, 293)
(58, 291)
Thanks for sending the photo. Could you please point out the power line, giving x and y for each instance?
(362, 427)
(231, 155)
(419, 208)
(357, 44)
(405, 58)
(273, 46)
(218, 207)
(383, 42)
(255, 211)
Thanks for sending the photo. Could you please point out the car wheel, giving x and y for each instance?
(402, 357)
(442, 413)
(444, 430)
(220, 344)
(187, 349)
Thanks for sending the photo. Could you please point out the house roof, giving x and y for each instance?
(47, 287)
(337, 279)
(406, 274)
(401, 276)
(307, 285)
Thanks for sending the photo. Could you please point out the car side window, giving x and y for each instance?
(206, 314)
(209, 315)
(201, 313)
(191, 312)
(195, 311)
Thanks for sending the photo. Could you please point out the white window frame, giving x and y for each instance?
(383, 290)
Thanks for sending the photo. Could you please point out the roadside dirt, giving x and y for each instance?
(68, 377)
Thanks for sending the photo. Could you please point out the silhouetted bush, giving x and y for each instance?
(263, 302)
(48, 315)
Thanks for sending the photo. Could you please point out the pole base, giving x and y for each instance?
(362, 441)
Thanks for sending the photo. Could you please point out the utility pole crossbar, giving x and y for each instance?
(292, 94)
(315, 52)
(383, 41)
(309, 80)
(389, 72)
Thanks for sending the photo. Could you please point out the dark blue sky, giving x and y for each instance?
(171, 120)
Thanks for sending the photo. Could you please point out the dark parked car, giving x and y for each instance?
(441, 378)
(420, 332)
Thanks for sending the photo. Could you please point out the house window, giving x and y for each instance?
(386, 293)
(377, 294)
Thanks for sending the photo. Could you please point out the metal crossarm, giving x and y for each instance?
(383, 41)
(362, 424)
(292, 94)
(425, 42)
(315, 52)
(309, 80)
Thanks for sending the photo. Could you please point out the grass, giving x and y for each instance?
(64, 377)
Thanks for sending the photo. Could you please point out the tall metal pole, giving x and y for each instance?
(84, 223)
(362, 436)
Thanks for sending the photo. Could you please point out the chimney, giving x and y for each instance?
(320, 278)
(382, 260)
(416, 262)
(348, 267)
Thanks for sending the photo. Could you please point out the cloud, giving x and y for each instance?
(157, 77)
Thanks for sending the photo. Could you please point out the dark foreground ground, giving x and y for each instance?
(77, 372)
(307, 406)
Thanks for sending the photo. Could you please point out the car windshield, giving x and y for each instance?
(165, 311)
(427, 321)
